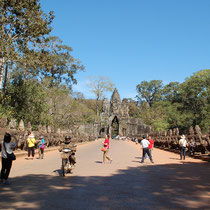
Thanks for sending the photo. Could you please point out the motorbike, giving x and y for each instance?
(67, 166)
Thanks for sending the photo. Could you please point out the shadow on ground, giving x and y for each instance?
(172, 186)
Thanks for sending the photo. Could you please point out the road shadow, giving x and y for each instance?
(58, 172)
(174, 158)
(98, 162)
(168, 186)
(138, 157)
(135, 161)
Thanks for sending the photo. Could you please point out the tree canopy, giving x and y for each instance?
(176, 105)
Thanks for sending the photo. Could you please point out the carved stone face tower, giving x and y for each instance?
(115, 103)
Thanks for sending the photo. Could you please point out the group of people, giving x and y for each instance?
(7, 155)
(31, 142)
(147, 147)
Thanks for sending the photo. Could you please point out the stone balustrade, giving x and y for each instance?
(170, 139)
(53, 137)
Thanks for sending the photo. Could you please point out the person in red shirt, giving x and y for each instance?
(151, 144)
(106, 151)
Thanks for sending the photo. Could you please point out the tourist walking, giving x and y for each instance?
(31, 144)
(151, 145)
(191, 147)
(183, 145)
(145, 145)
(106, 150)
(7, 156)
(41, 146)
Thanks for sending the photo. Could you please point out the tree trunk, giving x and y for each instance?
(1, 71)
(5, 83)
(97, 112)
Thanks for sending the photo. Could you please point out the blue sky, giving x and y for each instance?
(134, 40)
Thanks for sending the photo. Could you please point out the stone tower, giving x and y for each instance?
(115, 103)
(115, 119)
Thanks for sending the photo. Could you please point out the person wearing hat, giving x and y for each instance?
(183, 145)
(41, 145)
(31, 144)
(69, 145)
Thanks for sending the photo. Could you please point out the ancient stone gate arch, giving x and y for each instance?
(115, 127)
(116, 120)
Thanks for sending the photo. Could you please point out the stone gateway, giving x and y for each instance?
(115, 119)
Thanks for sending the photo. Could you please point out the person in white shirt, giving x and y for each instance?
(183, 145)
(145, 145)
(7, 148)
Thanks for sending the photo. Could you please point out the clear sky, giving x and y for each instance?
(134, 40)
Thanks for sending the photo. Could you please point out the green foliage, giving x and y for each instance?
(67, 112)
(27, 101)
(149, 91)
(22, 24)
(176, 105)
(41, 68)
(195, 93)
(56, 63)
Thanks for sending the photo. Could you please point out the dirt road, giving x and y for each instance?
(124, 184)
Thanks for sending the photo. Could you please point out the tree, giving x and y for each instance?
(195, 93)
(98, 86)
(67, 112)
(78, 96)
(22, 24)
(28, 101)
(170, 92)
(149, 91)
(56, 63)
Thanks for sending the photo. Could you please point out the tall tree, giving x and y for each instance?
(56, 63)
(149, 91)
(170, 92)
(22, 24)
(195, 93)
(99, 86)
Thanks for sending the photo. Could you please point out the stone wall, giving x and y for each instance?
(53, 137)
(170, 139)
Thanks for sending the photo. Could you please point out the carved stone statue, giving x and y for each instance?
(115, 102)
(3, 123)
(21, 126)
(29, 126)
(176, 131)
(198, 130)
(44, 129)
(49, 129)
(12, 124)
(191, 130)
(40, 128)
